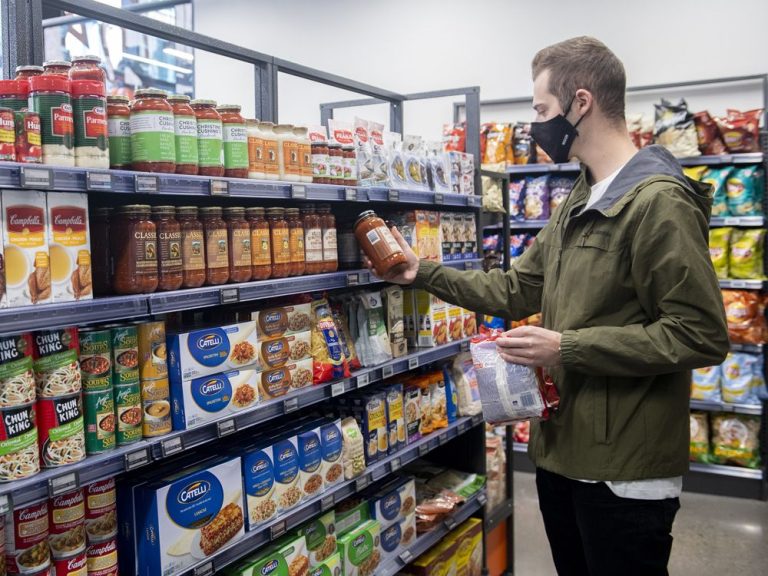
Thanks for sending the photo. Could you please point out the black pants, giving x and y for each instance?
(593, 532)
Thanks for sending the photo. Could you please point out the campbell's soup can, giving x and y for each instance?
(61, 430)
(28, 142)
(26, 544)
(100, 510)
(66, 528)
(76, 565)
(102, 558)
(152, 350)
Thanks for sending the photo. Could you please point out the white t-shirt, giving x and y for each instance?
(657, 488)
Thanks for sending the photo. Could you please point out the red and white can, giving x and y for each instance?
(100, 510)
(102, 558)
(76, 565)
(66, 529)
(26, 534)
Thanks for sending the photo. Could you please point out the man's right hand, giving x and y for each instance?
(407, 275)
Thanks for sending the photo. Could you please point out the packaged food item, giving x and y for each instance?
(19, 455)
(522, 144)
(26, 538)
(310, 460)
(279, 381)
(744, 190)
(412, 403)
(455, 322)
(17, 377)
(719, 250)
(259, 481)
(536, 198)
(699, 437)
(454, 137)
(365, 170)
(744, 312)
(75, 565)
(717, 177)
(331, 444)
(66, 524)
(282, 321)
(437, 561)
(740, 130)
(395, 418)
(69, 247)
(279, 351)
(470, 323)
(742, 378)
(499, 138)
(371, 411)
(746, 254)
(360, 549)
(61, 430)
(469, 555)
(327, 353)
(394, 501)
(55, 354)
(95, 359)
(695, 172)
(735, 440)
(439, 400)
(451, 396)
(50, 97)
(100, 510)
(285, 452)
(102, 558)
(125, 354)
(353, 452)
(432, 319)
(425, 404)
(372, 343)
(675, 129)
(708, 134)
(706, 383)
(99, 413)
(129, 413)
(559, 188)
(320, 536)
(439, 169)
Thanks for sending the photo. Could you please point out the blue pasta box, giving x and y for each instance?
(394, 501)
(397, 537)
(259, 483)
(395, 418)
(285, 453)
(332, 443)
(310, 460)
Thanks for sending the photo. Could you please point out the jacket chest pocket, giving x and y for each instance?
(597, 235)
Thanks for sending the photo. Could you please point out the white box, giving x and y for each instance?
(69, 247)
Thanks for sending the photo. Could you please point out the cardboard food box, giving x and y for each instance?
(432, 319)
(279, 381)
(310, 461)
(393, 301)
(455, 322)
(360, 549)
(412, 403)
(395, 418)
(398, 537)
(260, 484)
(470, 251)
(332, 444)
(331, 566)
(440, 560)
(348, 519)
(69, 247)
(410, 317)
(371, 411)
(282, 321)
(320, 534)
(394, 501)
(282, 350)
(469, 547)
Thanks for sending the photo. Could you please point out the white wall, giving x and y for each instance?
(419, 45)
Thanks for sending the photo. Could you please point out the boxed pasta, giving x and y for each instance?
(282, 320)
(360, 549)
(281, 350)
(371, 411)
(259, 481)
(394, 501)
(332, 444)
(25, 248)
(412, 402)
(432, 319)
(188, 516)
(437, 561)
(330, 566)
(395, 418)
(202, 400)
(279, 381)
(393, 300)
(285, 457)
(398, 536)
(469, 234)
(211, 350)
(310, 460)
(320, 534)
(69, 247)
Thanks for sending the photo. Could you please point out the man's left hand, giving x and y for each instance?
(530, 346)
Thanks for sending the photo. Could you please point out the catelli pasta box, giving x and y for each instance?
(69, 247)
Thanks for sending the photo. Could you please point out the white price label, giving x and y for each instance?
(395, 465)
(450, 523)
(5, 504)
(350, 194)
(229, 295)
(353, 279)
(277, 530)
(413, 363)
(171, 446)
(465, 346)
(363, 380)
(362, 484)
(482, 498)
(423, 449)
(439, 198)
(62, 484)
(146, 184)
(204, 570)
(291, 405)
(36, 177)
(327, 502)
(298, 191)
(219, 188)
(338, 388)
(226, 428)
(100, 181)
(393, 195)
(405, 557)
(387, 371)
(136, 459)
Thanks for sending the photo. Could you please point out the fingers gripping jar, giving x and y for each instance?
(379, 245)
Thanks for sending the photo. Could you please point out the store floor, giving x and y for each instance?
(713, 535)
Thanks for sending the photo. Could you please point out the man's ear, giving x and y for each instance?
(583, 102)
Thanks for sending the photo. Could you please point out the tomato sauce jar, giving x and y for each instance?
(169, 264)
(261, 253)
(28, 144)
(49, 96)
(14, 94)
(87, 67)
(209, 138)
(379, 245)
(239, 236)
(153, 146)
(279, 237)
(235, 139)
(192, 247)
(119, 132)
(185, 127)
(133, 238)
(216, 246)
(57, 68)
(7, 135)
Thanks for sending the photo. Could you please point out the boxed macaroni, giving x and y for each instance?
(259, 481)
(395, 418)
(282, 350)
(320, 534)
(279, 381)
(398, 536)
(394, 501)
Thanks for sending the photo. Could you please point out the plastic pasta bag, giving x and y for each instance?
(372, 341)
(329, 362)
(706, 383)
(465, 379)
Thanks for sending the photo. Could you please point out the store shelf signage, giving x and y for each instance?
(393, 195)
(439, 198)
(226, 427)
(99, 181)
(350, 194)
(338, 388)
(5, 504)
(405, 557)
(146, 184)
(219, 188)
(362, 484)
(465, 346)
(363, 380)
(387, 371)
(473, 201)
(291, 405)
(327, 502)
(450, 523)
(136, 459)
(62, 484)
(277, 530)
(230, 295)
(423, 449)
(298, 191)
(353, 279)
(481, 498)
(36, 177)
(394, 465)
(413, 363)
(171, 446)
(204, 570)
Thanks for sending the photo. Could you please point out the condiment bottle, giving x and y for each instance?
(153, 146)
(119, 132)
(235, 138)
(14, 94)
(255, 150)
(185, 134)
(271, 157)
(296, 232)
(89, 108)
(216, 246)
(379, 245)
(287, 154)
(261, 253)
(320, 159)
(87, 68)
(209, 138)
(49, 96)
(100, 254)
(305, 153)
(349, 249)
(335, 164)
(279, 238)
(239, 237)
(330, 247)
(313, 241)
(57, 68)
(192, 247)
(350, 165)
(169, 265)
(133, 239)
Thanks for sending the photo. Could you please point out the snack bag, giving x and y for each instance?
(454, 137)
(719, 245)
(717, 177)
(699, 437)
(746, 254)
(742, 378)
(745, 314)
(744, 191)
(363, 153)
(741, 130)
(559, 188)
(708, 134)
(536, 198)
(517, 245)
(522, 144)
(675, 130)
(498, 138)
(706, 383)
(378, 153)
(517, 200)
(329, 361)
(695, 172)
(735, 440)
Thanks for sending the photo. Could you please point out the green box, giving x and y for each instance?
(331, 566)
(320, 534)
(360, 549)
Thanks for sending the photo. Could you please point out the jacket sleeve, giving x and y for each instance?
(513, 295)
(675, 281)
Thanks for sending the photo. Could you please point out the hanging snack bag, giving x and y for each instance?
(706, 383)
(695, 172)
(393, 142)
(742, 378)
(522, 144)
(745, 314)
(363, 151)
(708, 134)
(536, 198)
(735, 440)
(499, 137)
(699, 437)
(741, 130)
(746, 254)
(716, 177)
(675, 130)
(517, 200)
(378, 153)
(719, 247)
(744, 190)
(327, 353)
(559, 188)
(454, 137)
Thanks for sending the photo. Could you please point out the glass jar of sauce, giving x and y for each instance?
(287, 153)
(255, 150)
(296, 232)
(239, 237)
(330, 247)
(270, 143)
(169, 262)
(350, 165)
(49, 96)
(87, 68)
(301, 133)
(235, 139)
(14, 94)
(185, 134)
(57, 68)
(261, 253)
(119, 132)
(153, 146)
(279, 238)
(216, 246)
(320, 162)
(101, 265)
(24, 72)
(378, 244)
(133, 238)
(313, 240)
(335, 164)
(209, 138)
(192, 247)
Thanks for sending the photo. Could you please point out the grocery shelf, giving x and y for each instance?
(757, 221)
(433, 537)
(520, 447)
(280, 525)
(720, 159)
(721, 470)
(498, 515)
(527, 224)
(749, 348)
(743, 284)
(122, 459)
(543, 168)
(712, 406)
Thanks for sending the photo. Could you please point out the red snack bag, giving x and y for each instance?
(454, 137)
(710, 142)
(741, 130)
(745, 314)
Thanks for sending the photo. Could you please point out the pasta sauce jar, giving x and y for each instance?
(49, 96)
(87, 67)
(14, 94)
(330, 243)
(379, 245)
(279, 237)
(235, 139)
(313, 241)
(185, 134)
(261, 253)
(216, 246)
(133, 238)
(296, 241)
(239, 236)
(192, 247)
(153, 147)
(169, 265)
(209, 138)
(119, 132)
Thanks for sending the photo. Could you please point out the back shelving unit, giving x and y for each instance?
(707, 478)
(464, 438)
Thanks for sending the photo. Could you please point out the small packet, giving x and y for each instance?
(699, 437)
(708, 134)
(536, 198)
(363, 152)
(517, 200)
(706, 383)
(736, 440)
(741, 130)
(742, 378)
(414, 172)
(716, 177)
(746, 254)
(395, 162)
(719, 250)
(378, 153)
(522, 144)
(439, 171)
(559, 188)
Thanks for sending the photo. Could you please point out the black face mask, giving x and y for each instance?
(556, 135)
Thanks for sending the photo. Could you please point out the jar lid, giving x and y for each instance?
(134, 208)
(28, 68)
(202, 102)
(292, 211)
(179, 98)
(118, 98)
(163, 209)
(12, 87)
(50, 83)
(252, 122)
(234, 210)
(255, 211)
(300, 130)
(186, 210)
(276, 211)
(151, 92)
(211, 210)
(334, 145)
(103, 210)
(87, 58)
(308, 208)
(50, 63)
(363, 216)
(235, 107)
(283, 127)
(324, 207)
(267, 124)
(347, 148)
(87, 88)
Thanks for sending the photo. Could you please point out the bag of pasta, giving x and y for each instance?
(735, 440)
(329, 361)
(345, 337)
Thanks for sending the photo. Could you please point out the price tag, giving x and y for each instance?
(405, 557)
(450, 523)
(378, 473)
(363, 380)
(226, 428)
(338, 388)
(473, 201)
(277, 530)
(62, 484)
(136, 459)
(98, 181)
(395, 465)
(423, 449)
(291, 405)
(204, 570)
(219, 188)
(464, 346)
(5, 504)
(171, 446)
(439, 198)
(229, 295)
(387, 371)
(476, 419)
(463, 427)
(413, 363)
(737, 284)
(393, 195)
(146, 184)
(482, 498)
(469, 265)
(442, 439)
(730, 221)
(350, 194)
(298, 191)
(36, 177)
(327, 502)
(362, 484)
(353, 279)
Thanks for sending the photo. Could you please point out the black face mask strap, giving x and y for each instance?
(568, 110)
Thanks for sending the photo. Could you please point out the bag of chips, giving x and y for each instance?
(517, 200)
(735, 440)
(454, 137)
(699, 437)
(746, 254)
(640, 129)
(745, 314)
(742, 378)
(719, 244)
(536, 198)
(516, 245)
(716, 177)
(559, 188)
(744, 189)
(522, 145)
(695, 172)
(741, 130)
(675, 130)
(498, 139)
(706, 383)
(708, 134)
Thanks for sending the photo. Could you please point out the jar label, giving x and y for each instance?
(313, 245)
(241, 247)
(119, 131)
(185, 129)
(91, 125)
(297, 244)
(192, 256)
(329, 245)
(291, 157)
(382, 234)
(209, 142)
(170, 251)
(152, 136)
(235, 146)
(305, 157)
(260, 247)
(270, 157)
(56, 122)
(281, 247)
(216, 248)
(146, 251)
(255, 154)
(335, 167)
(350, 169)
(320, 165)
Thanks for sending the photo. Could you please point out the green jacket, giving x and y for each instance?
(630, 285)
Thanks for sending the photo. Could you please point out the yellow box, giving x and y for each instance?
(432, 319)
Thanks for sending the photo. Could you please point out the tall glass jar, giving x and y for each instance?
(133, 237)
(49, 96)
(101, 266)
(235, 139)
(271, 154)
(216, 246)
(169, 264)
(320, 162)
(330, 246)
(296, 232)
(279, 238)
(192, 247)
(313, 240)
(239, 237)
(87, 68)
(14, 94)
(185, 134)
(119, 132)
(261, 253)
(350, 165)
(89, 107)
(209, 138)
(25, 72)
(255, 150)
(305, 153)
(335, 164)
(57, 68)
(153, 146)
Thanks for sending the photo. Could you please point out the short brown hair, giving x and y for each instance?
(584, 63)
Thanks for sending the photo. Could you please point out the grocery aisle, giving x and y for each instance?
(714, 535)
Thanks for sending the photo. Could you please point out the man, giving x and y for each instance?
(630, 305)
